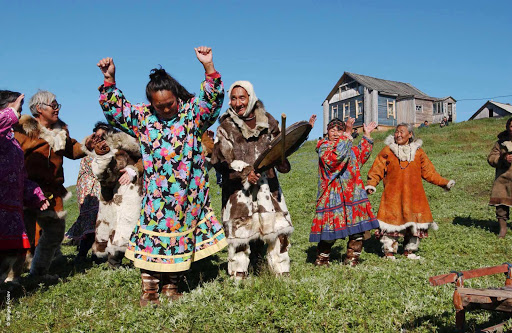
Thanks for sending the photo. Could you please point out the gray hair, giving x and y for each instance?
(410, 129)
(40, 97)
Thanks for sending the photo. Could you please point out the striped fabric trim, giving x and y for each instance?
(354, 203)
(179, 267)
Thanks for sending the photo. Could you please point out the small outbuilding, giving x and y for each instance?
(386, 102)
(493, 109)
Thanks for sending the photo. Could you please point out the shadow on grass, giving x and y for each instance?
(208, 269)
(488, 225)
(438, 323)
(338, 250)
(64, 267)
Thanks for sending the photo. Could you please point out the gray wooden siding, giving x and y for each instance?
(496, 112)
(426, 113)
(383, 111)
(405, 111)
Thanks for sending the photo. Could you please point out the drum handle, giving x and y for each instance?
(283, 135)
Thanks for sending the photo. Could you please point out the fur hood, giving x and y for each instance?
(404, 152)
(247, 132)
(56, 136)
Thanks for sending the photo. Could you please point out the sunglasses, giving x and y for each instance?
(55, 106)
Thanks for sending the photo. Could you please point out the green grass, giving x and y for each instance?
(376, 296)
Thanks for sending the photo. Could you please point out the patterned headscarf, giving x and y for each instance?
(336, 122)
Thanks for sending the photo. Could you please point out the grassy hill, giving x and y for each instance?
(376, 296)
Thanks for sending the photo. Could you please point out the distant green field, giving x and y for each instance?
(376, 296)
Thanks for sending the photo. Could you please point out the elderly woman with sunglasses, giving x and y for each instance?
(45, 141)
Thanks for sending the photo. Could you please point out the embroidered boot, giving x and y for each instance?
(503, 228)
(149, 289)
(170, 286)
(354, 248)
(323, 253)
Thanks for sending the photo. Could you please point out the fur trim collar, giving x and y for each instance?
(261, 121)
(404, 152)
(507, 145)
(56, 136)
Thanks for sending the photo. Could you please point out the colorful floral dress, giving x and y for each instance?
(16, 190)
(88, 193)
(342, 207)
(177, 224)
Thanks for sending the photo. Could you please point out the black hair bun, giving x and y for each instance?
(158, 74)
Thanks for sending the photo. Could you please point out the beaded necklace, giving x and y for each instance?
(408, 162)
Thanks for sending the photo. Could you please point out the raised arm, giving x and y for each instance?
(211, 94)
(332, 155)
(10, 115)
(118, 111)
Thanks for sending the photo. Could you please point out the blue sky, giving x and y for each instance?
(292, 51)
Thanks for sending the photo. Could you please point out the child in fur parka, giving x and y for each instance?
(117, 164)
(404, 210)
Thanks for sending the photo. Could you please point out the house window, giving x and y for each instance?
(490, 113)
(391, 109)
(359, 108)
(334, 112)
(419, 108)
(346, 110)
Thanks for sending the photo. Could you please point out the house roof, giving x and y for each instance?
(382, 86)
(445, 98)
(506, 107)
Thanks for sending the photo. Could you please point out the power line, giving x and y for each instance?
(480, 99)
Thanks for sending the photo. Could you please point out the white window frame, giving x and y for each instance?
(358, 108)
(334, 111)
(346, 110)
(393, 109)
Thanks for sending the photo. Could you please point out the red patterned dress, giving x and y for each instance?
(342, 207)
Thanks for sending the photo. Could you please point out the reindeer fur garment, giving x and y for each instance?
(501, 193)
(120, 205)
(249, 211)
(44, 150)
(404, 203)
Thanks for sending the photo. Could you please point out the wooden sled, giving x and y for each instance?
(465, 299)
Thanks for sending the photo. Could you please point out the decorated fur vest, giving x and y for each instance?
(502, 187)
(404, 203)
(120, 205)
(249, 211)
(44, 150)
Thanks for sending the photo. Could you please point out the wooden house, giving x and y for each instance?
(493, 109)
(386, 102)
